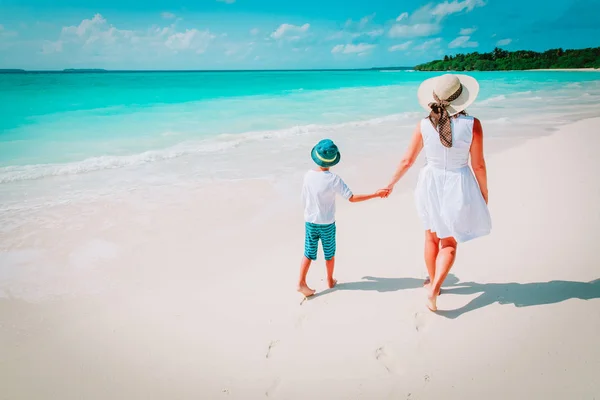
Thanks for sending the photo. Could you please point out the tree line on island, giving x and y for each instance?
(502, 60)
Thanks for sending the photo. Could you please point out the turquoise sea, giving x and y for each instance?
(71, 132)
(66, 117)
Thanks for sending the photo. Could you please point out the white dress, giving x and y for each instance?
(449, 201)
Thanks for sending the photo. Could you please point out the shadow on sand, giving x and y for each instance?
(518, 294)
(521, 294)
(371, 283)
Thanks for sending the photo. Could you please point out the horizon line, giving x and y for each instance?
(102, 70)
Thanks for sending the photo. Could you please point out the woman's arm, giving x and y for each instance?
(411, 154)
(477, 159)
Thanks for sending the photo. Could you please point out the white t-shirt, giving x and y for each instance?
(318, 195)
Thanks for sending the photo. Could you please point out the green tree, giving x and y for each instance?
(503, 60)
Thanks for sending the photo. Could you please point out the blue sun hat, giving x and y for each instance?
(325, 154)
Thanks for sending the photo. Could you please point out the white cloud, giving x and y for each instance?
(402, 16)
(191, 39)
(93, 32)
(168, 15)
(504, 42)
(290, 31)
(361, 24)
(365, 20)
(52, 47)
(160, 32)
(86, 26)
(467, 31)
(336, 36)
(4, 33)
(462, 41)
(352, 48)
(226, 1)
(428, 44)
(447, 8)
(375, 33)
(400, 47)
(426, 20)
(106, 40)
(415, 30)
(254, 31)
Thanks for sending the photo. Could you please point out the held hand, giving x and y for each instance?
(389, 189)
(383, 193)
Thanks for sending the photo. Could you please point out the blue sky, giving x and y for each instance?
(267, 34)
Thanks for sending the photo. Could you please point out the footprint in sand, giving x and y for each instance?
(420, 321)
(271, 389)
(385, 360)
(271, 345)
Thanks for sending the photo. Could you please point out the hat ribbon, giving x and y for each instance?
(440, 118)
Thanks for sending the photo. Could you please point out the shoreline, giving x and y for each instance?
(564, 69)
(522, 70)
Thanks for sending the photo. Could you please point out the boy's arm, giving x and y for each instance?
(343, 190)
(355, 198)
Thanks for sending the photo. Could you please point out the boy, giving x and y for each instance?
(318, 195)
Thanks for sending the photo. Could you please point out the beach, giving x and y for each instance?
(174, 277)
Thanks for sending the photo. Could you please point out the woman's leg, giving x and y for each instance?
(432, 247)
(444, 262)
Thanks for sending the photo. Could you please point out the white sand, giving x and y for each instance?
(175, 303)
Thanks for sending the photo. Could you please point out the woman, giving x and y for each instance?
(451, 202)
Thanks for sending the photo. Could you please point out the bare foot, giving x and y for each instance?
(306, 291)
(431, 302)
(331, 283)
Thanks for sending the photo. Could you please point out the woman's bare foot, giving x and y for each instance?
(331, 283)
(432, 302)
(306, 291)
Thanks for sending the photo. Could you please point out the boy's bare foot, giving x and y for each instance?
(306, 291)
(331, 283)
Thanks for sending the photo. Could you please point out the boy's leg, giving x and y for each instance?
(311, 242)
(302, 286)
(328, 233)
(330, 264)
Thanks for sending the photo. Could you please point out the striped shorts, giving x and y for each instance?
(313, 233)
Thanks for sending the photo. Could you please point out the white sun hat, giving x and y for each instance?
(444, 87)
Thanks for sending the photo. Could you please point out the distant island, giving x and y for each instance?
(391, 68)
(84, 70)
(502, 60)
